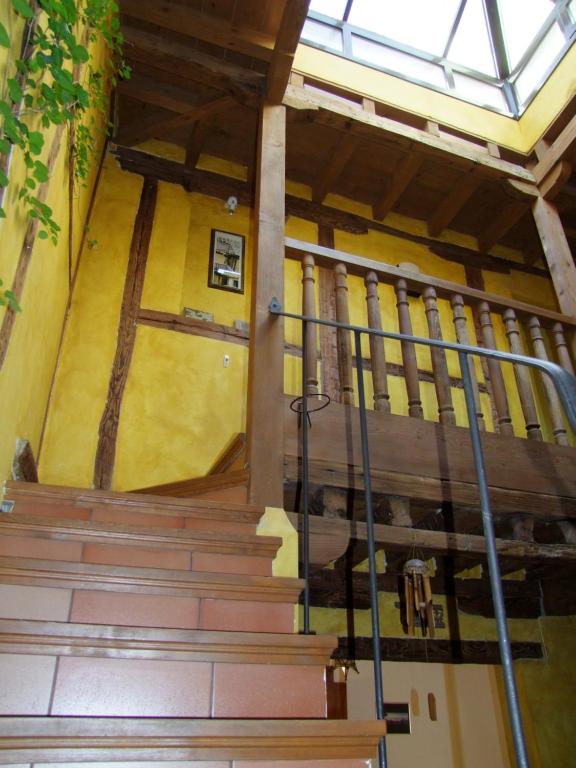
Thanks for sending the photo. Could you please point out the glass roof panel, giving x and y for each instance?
(521, 21)
(333, 8)
(419, 23)
(471, 46)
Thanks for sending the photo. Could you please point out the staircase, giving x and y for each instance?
(139, 628)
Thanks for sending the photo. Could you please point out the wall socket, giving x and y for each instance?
(226, 361)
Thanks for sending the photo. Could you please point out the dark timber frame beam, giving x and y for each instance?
(265, 417)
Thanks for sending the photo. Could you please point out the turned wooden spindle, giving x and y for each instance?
(459, 318)
(495, 372)
(561, 345)
(343, 337)
(439, 365)
(558, 428)
(522, 374)
(408, 351)
(309, 309)
(377, 354)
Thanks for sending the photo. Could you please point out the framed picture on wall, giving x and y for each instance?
(226, 270)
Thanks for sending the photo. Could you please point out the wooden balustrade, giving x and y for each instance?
(309, 309)
(431, 289)
(558, 427)
(343, 337)
(377, 353)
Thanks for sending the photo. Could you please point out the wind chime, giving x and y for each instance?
(418, 595)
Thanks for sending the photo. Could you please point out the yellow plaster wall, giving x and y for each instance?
(519, 135)
(26, 376)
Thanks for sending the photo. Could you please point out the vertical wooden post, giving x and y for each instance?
(495, 372)
(561, 345)
(343, 337)
(377, 353)
(265, 416)
(408, 351)
(327, 310)
(309, 309)
(522, 374)
(459, 318)
(558, 427)
(439, 365)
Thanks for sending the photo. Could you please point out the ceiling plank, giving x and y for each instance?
(244, 84)
(564, 145)
(403, 174)
(140, 132)
(339, 156)
(502, 224)
(293, 19)
(159, 94)
(452, 204)
(211, 29)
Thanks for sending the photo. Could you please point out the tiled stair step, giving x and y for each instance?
(49, 668)
(131, 509)
(116, 544)
(152, 597)
(50, 740)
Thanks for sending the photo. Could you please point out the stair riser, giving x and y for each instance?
(78, 686)
(47, 548)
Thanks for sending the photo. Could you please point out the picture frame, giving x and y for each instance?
(226, 267)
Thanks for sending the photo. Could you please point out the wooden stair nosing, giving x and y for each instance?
(221, 542)
(85, 497)
(182, 489)
(61, 739)
(110, 641)
(88, 576)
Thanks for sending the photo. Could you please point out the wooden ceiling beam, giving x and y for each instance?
(560, 149)
(403, 174)
(460, 192)
(338, 112)
(138, 131)
(194, 144)
(211, 29)
(159, 94)
(244, 84)
(503, 223)
(554, 183)
(339, 156)
(287, 39)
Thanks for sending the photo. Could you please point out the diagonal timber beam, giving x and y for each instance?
(162, 95)
(503, 223)
(293, 19)
(339, 157)
(554, 183)
(211, 29)
(403, 174)
(453, 203)
(558, 150)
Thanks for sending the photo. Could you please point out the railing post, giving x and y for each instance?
(559, 339)
(439, 364)
(343, 336)
(408, 351)
(377, 353)
(495, 372)
(375, 613)
(459, 317)
(523, 383)
(494, 571)
(558, 427)
(309, 310)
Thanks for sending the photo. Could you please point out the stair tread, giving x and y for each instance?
(77, 639)
(212, 541)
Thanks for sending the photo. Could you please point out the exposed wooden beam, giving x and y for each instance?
(557, 253)
(287, 39)
(338, 112)
(211, 29)
(554, 183)
(560, 149)
(502, 224)
(194, 144)
(137, 132)
(339, 157)
(244, 84)
(460, 192)
(403, 174)
(163, 95)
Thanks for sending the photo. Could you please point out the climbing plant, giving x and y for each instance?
(55, 81)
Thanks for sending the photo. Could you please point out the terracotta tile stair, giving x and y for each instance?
(134, 628)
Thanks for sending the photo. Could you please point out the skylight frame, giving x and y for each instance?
(559, 15)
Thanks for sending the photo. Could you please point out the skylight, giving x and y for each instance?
(496, 53)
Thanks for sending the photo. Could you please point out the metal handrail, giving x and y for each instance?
(565, 384)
